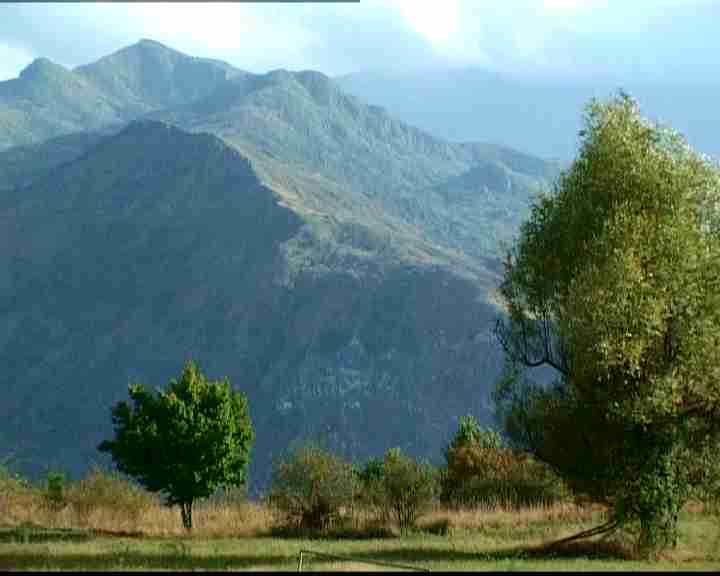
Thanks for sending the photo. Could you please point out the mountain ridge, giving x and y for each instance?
(538, 117)
(337, 264)
(121, 282)
(115, 89)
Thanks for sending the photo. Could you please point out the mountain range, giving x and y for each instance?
(336, 263)
(540, 117)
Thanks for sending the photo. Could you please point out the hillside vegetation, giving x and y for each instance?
(338, 265)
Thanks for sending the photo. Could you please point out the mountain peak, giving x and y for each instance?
(149, 44)
(41, 67)
(148, 75)
(144, 48)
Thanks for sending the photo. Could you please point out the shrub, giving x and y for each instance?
(17, 496)
(310, 487)
(369, 493)
(482, 471)
(408, 487)
(55, 490)
(11, 483)
(110, 492)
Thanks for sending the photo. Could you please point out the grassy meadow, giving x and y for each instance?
(104, 523)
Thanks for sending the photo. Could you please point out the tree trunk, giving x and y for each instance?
(186, 513)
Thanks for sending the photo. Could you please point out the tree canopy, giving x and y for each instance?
(615, 283)
(184, 442)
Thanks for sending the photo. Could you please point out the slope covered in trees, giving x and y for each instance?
(338, 265)
(158, 245)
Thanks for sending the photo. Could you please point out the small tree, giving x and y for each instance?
(409, 487)
(55, 490)
(370, 495)
(310, 486)
(184, 442)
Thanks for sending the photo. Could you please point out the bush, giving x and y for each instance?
(481, 471)
(310, 487)
(110, 492)
(55, 490)
(369, 494)
(11, 482)
(408, 487)
(17, 496)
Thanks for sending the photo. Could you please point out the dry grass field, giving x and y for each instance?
(106, 524)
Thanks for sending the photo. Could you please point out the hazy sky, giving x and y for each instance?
(637, 40)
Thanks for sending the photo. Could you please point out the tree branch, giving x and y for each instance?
(609, 526)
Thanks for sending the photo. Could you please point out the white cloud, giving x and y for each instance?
(12, 60)
(438, 22)
(568, 5)
(650, 37)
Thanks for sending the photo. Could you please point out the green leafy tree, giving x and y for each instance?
(470, 433)
(615, 283)
(184, 442)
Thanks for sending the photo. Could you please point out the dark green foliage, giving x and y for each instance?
(614, 284)
(55, 490)
(470, 433)
(184, 442)
(310, 487)
(370, 491)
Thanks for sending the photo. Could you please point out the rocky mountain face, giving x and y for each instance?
(464, 198)
(338, 265)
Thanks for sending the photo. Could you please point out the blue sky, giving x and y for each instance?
(628, 40)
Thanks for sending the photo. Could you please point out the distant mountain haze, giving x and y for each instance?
(337, 264)
(540, 117)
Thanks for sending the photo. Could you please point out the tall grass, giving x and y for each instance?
(108, 503)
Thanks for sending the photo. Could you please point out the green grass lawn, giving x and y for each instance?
(462, 549)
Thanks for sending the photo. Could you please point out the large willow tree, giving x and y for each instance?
(615, 283)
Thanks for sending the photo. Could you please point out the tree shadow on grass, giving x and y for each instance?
(175, 555)
(37, 534)
(135, 559)
(599, 550)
